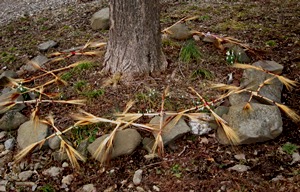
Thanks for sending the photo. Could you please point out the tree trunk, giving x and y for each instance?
(134, 46)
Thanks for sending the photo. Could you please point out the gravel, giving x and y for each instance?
(13, 9)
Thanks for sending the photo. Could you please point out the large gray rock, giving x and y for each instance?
(125, 143)
(180, 32)
(100, 19)
(11, 120)
(271, 66)
(29, 133)
(261, 124)
(7, 97)
(254, 78)
(169, 133)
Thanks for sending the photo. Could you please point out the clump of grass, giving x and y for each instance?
(67, 76)
(289, 148)
(83, 66)
(169, 43)
(204, 73)
(79, 85)
(189, 52)
(7, 57)
(93, 93)
(47, 188)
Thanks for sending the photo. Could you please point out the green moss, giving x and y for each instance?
(206, 74)
(93, 93)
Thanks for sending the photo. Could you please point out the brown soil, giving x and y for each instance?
(270, 27)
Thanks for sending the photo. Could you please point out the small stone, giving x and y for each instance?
(9, 144)
(137, 177)
(199, 127)
(174, 132)
(240, 156)
(296, 158)
(3, 134)
(125, 142)
(140, 189)
(11, 120)
(278, 178)
(155, 188)
(23, 165)
(3, 184)
(47, 45)
(2, 188)
(37, 166)
(39, 60)
(17, 107)
(82, 147)
(29, 133)
(54, 143)
(89, 188)
(2, 147)
(25, 175)
(67, 179)
(65, 164)
(53, 171)
(196, 37)
(239, 168)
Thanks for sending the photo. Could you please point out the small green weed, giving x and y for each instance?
(176, 170)
(85, 132)
(149, 99)
(47, 188)
(84, 66)
(289, 148)
(189, 52)
(67, 76)
(204, 17)
(271, 43)
(7, 57)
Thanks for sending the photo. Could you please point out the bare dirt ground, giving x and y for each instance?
(271, 27)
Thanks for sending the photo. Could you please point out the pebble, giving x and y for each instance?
(2, 147)
(239, 168)
(240, 156)
(9, 144)
(137, 177)
(140, 189)
(88, 188)
(52, 171)
(65, 164)
(25, 175)
(3, 134)
(155, 188)
(67, 179)
(296, 158)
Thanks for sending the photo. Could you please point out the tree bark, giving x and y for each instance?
(134, 46)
